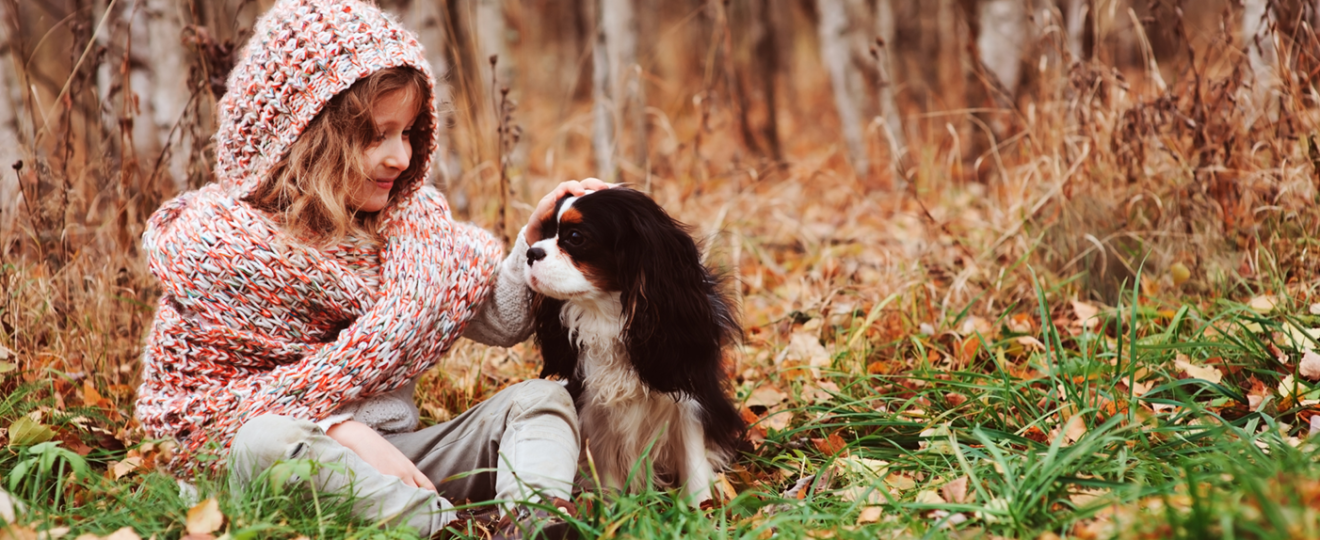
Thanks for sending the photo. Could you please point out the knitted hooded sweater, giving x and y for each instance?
(251, 321)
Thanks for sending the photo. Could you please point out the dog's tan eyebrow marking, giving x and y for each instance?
(571, 215)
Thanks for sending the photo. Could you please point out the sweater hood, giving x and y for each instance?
(301, 54)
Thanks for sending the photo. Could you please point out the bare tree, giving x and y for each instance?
(1074, 15)
(168, 83)
(1256, 21)
(886, 30)
(10, 150)
(1001, 38)
(490, 35)
(846, 83)
(616, 84)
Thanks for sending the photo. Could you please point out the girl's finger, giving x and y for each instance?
(424, 482)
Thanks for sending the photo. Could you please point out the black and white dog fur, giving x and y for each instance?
(637, 326)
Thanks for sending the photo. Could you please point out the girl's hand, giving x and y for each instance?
(378, 452)
(547, 205)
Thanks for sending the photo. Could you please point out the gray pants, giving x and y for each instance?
(526, 434)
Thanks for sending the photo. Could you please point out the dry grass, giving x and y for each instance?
(1101, 176)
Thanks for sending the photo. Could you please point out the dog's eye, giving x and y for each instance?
(574, 238)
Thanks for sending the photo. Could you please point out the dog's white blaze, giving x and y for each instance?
(555, 276)
(620, 417)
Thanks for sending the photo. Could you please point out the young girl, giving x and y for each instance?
(306, 290)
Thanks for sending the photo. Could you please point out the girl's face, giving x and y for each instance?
(387, 156)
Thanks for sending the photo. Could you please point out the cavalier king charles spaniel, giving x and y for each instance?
(629, 317)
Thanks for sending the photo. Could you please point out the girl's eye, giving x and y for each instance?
(574, 238)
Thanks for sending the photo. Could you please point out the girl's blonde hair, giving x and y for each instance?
(308, 189)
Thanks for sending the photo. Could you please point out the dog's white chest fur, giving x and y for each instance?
(621, 417)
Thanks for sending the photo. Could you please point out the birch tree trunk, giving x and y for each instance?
(766, 51)
(837, 55)
(602, 136)
(1074, 14)
(619, 19)
(134, 103)
(10, 149)
(1000, 41)
(490, 28)
(886, 30)
(1256, 20)
(425, 17)
(616, 86)
(169, 86)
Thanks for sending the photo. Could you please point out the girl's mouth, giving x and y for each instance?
(385, 184)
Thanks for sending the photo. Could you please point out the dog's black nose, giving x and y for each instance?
(535, 254)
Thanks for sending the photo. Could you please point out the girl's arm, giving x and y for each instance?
(505, 318)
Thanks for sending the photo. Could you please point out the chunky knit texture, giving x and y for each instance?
(252, 321)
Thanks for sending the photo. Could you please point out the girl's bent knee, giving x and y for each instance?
(542, 393)
(266, 439)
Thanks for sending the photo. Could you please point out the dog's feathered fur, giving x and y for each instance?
(629, 316)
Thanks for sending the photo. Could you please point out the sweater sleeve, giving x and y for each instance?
(505, 317)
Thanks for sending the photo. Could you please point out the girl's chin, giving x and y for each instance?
(373, 202)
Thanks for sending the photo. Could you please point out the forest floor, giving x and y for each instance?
(1112, 335)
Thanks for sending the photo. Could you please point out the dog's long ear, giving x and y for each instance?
(679, 322)
(672, 334)
(557, 351)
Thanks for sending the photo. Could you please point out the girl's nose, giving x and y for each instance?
(400, 153)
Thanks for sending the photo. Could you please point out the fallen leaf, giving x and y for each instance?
(9, 507)
(1289, 392)
(1021, 323)
(205, 518)
(125, 533)
(6, 367)
(865, 466)
(128, 465)
(767, 395)
(1209, 374)
(805, 349)
(26, 432)
(870, 514)
(830, 445)
(1081, 498)
(1309, 368)
(725, 487)
(1315, 309)
(799, 489)
(1263, 304)
(955, 491)
(91, 397)
(1087, 314)
(900, 482)
(1180, 274)
(936, 439)
(777, 421)
(21, 533)
(54, 533)
(1075, 429)
(929, 496)
(1030, 343)
(978, 325)
(1303, 338)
